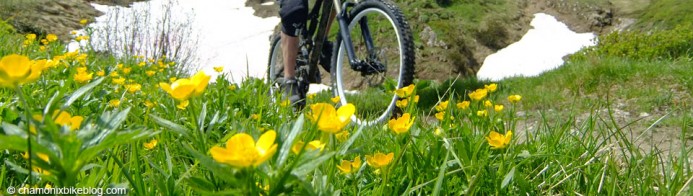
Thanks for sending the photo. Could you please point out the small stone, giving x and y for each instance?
(644, 114)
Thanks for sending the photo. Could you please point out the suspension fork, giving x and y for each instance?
(342, 18)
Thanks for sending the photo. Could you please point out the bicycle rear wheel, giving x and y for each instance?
(275, 66)
(391, 52)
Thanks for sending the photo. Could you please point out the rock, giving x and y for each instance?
(431, 38)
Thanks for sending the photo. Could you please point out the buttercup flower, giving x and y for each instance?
(514, 98)
(330, 119)
(119, 80)
(83, 22)
(379, 160)
(18, 69)
(402, 103)
(30, 37)
(82, 76)
(442, 106)
(183, 104)
(51, 37)
(335, 99)
(100, 73)
(151, 144)
(416, 99)
(148, 104)
(132, 88)
(405, 91)
(219, 69)
(114, 103)
(491, 87)
(488, 103)
(347, 167)
(498, 108)
(150, 73)
(65, 119)
(482, 113)
(312, 145)
(181, 89)
(342, 136)
(499, 141)
(401, 124)
(242, 150)
(200, 80)
(440, 115)
(463, 105)
(478, 94)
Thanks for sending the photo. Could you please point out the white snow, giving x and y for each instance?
(540, 50)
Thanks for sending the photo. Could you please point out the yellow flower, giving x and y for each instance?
(347, 167)
(219, 69)
(491, 87)
(114, 74)
(488, 103)
(402, 103)
(310, 96)
(119, 80)
(285, 103)
(379, 160)
(478, 94)
(499, 141)
(150, 73)
(114, 103)
(438, 131)
(82, 59)
(242, 151)
(482, 113)
(148, 104)
(172, 79)
(151, 144)
(183, 104)
(100, 73)
(254, 116)
(498, 108)
(42, 48)
(442, 106)
(328, 118)
(401, 124)
(514, 98)
(416, 99)
(180, 90)
(232, 87)
(405, 91)
(83, 22)
(201, 80)
(126, 70)
(30, 37)
(335, 99)
(440, 115)
(463, 105)
(51, 37)
(132, 88)
(142, 64)
(82, 76)
(312, 145)
(342, 136)
(18, 69)
(65, 119)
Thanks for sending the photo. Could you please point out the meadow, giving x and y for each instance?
(90, 119)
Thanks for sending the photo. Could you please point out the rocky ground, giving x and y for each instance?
(50, 16)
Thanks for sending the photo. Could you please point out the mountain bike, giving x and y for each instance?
(372, 55)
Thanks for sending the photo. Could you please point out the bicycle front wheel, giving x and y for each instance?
(275, 66)
(383, 44)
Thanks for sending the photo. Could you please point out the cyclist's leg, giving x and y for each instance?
(294, 14)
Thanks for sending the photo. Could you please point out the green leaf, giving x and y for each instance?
(81, 91)
(343, 149)
(222, 171)
(180, 129)
(508, 177)
(441, 175)
(200, 184)
(201, 118)
(286, 147)
(302, 170)
(11, 129)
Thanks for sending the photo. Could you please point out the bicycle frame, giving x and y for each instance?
(321, 27)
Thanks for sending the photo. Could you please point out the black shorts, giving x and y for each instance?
(294, 14)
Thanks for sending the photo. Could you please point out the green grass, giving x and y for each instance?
(666, 14)
(559, 154)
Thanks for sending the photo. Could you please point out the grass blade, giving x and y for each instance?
(81, 91)
(286, 147)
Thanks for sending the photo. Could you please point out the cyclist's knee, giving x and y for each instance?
(294, 14)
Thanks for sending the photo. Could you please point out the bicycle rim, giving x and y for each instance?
(373, 95)
(275, 66)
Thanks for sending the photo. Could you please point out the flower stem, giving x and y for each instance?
(20, 95)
